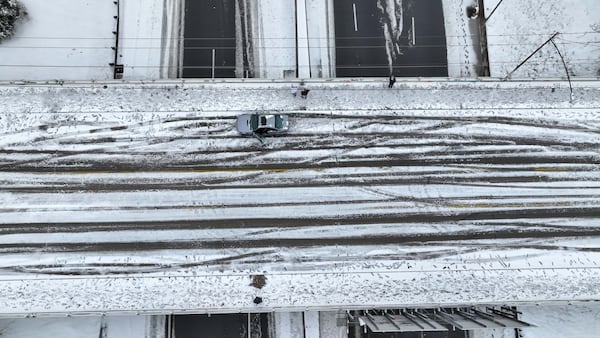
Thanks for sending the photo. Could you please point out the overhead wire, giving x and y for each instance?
(338, 66)
(270, 47)
(541, 34)
(185, 48)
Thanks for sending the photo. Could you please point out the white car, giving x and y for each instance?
(262, 124)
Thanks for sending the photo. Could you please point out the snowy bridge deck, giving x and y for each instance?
(428, 193)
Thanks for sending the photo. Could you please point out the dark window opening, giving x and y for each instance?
(222, 326)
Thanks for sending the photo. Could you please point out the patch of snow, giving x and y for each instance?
(78, 327)
(576, 320)
(393, 24)
(81, 327)
(275, 38)
(140, 43)
(517, 29)
(61, 40)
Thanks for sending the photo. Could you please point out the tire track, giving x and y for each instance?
(331, 181)
(505, 201)
(322, 150)
(348, 138)
(426, 218)
(241, 162)
(272, 243)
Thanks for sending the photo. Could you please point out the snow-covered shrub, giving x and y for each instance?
(10, 12)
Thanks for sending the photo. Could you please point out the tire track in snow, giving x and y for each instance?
(271, 243)
(442, 217)
(120, 143)
(499, 153)
(250, 180)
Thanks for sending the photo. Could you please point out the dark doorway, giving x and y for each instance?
(209, 33)
(222, 326)
(376, 39)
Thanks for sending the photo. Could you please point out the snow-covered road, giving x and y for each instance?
(440, 177)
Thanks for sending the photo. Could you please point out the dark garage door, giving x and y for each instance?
(221, 326)
(361, 44)
(209, 45)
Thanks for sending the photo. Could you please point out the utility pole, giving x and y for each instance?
(485, 59)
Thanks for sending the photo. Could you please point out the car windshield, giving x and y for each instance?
(278, 122)
(253, 122)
